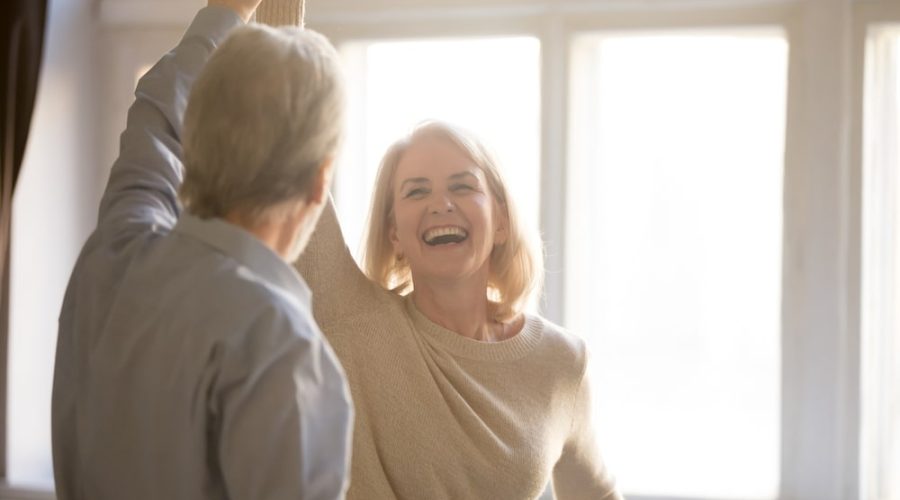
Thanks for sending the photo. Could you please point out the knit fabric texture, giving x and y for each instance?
(280, 12)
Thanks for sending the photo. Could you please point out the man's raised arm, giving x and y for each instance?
(144, 182)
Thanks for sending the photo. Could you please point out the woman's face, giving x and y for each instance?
(446, 221)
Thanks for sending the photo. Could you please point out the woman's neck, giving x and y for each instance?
(458, 307)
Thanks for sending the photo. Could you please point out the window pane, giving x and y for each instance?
(489, 86)
(674, 254)
(880, 464)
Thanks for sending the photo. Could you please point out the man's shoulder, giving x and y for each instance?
(269, 310)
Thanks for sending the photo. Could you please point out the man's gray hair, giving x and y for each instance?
(264, 114)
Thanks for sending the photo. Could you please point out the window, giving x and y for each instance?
(880, 464)
(673, 254)
(489, 86)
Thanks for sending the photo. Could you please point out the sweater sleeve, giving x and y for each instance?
(339, 286)
(580, 472)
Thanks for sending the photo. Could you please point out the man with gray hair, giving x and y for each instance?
(188, 362)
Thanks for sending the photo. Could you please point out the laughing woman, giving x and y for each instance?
(458, 393)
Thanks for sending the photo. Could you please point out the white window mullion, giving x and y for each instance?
(820, 340)
(554, 123)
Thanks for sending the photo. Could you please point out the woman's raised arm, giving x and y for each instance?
(338, 284)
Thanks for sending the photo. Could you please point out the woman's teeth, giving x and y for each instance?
(443, 235)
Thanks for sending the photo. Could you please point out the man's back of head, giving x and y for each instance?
(263, 122)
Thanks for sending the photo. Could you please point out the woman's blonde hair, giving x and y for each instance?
(264, 115)
(516, 268)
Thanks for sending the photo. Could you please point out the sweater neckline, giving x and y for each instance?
(515, 347)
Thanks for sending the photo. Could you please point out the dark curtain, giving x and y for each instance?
(21, 45)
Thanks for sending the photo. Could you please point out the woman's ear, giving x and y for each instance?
(395, 241)
(501, 225)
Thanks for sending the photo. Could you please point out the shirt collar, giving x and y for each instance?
(248, 251)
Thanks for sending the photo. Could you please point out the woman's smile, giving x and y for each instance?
(445, 235)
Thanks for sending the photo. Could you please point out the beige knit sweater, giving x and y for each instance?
(441, 416)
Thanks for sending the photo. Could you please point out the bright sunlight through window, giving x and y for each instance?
(489, 86)
(880, 464)
(674, 246)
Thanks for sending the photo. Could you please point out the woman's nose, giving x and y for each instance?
(442, 204)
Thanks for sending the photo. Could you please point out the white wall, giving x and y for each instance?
(54, 206)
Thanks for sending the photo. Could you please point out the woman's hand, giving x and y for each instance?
(244, 8)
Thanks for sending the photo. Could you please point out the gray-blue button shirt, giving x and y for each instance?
(188, 362)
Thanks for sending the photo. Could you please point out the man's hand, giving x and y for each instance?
(244, 8)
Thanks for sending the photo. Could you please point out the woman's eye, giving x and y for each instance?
(461, 187)
(415, 192)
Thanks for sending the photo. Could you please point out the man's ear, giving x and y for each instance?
(318, 191)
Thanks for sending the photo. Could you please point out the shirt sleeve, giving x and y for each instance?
(580, 472)
(142, 192)
(284, 414)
